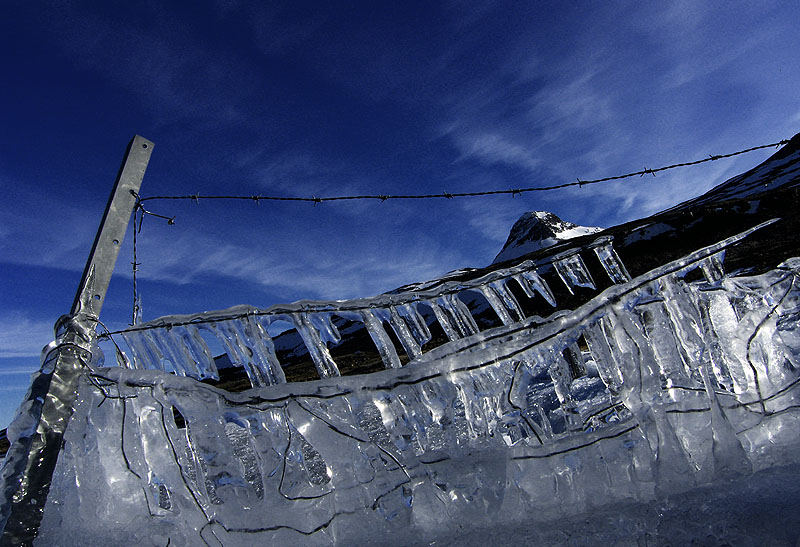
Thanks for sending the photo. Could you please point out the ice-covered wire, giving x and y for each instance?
(449, 195)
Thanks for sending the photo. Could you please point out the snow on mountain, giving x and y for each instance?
(536, 230)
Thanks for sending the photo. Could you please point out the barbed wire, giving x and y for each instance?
(142, 212)
(450, 195)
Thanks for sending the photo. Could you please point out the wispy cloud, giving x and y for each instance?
(577, 101)
(57, 236)
(317, 267)
(492, 148)
(21, 336)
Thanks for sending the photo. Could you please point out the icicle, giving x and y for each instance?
(416, 323)
(263, 351)
(148, 352)
(665, 345)
(712, 267)
(141, 356)
(610, 261)
(726, 325)
(601, 352)
(494, 301)
(574, 357)
(502, 301)
(327, 330)
(682, 313)
(168, 345)
(231, 335)
(719, 360)
(137, 311)
(572, 271)
(326, 366)
(444, 321)
(381, 339)
(530, 281)
(642, 394)
(730, 458)
(197, 350)
(561, 375)
(403, 332)
(459, 314)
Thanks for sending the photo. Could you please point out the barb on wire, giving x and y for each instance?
(139, 213)
(450, 195)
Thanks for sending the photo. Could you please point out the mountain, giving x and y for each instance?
(537, 230)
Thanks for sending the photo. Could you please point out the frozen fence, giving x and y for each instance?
(655, 385)
(177, 343)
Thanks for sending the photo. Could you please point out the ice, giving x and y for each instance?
(196, 350)
(531, 281)
(460, 313)
(662, 337)
(610, 260)
(712, 267)
(633, 400)
(600, 350)
(263, 351)
(404, 333)
(323, 322)
(180, 349)
(381, 339)
(416, 323)
(560, 373)
(326, 367)
(173, 359)
(572, 271)
(503, 302)
(444, 321)
(249, 346)
(454, 316)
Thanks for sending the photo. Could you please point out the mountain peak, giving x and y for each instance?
(536, 230)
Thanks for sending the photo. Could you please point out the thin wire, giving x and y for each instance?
(137, 226)
(450, 195)
(138, 209)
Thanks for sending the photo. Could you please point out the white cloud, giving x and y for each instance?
(492, 148)
(318, 264)
(59, 235)
(21, 336)
(575, 102)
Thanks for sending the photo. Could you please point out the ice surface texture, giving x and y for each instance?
(653, 387)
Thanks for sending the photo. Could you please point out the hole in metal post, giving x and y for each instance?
(116, 242)
(97, 297)
(144, 145)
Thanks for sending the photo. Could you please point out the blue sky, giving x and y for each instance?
(354, 97)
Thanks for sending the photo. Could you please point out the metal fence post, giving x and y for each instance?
(31, 460)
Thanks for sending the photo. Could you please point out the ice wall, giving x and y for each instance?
(653, 387)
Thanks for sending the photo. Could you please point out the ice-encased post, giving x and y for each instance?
(32, 458)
